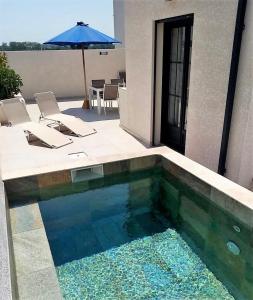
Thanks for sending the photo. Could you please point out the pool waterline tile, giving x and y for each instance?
(235, 208)
(54, 178)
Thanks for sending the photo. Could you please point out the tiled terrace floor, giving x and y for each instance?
(18, 158)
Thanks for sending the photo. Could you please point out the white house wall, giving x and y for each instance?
(240, 149)
(213, 34)
(119, 21)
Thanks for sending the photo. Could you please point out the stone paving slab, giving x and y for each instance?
(35, 271)
(25, 217)
(41, 285)
(110, 139)
(31, 251)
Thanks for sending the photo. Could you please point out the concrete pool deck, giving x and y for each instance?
(18, 158)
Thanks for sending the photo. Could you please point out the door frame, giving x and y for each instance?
(184, 19)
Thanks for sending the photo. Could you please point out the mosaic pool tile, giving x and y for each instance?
(161, 266)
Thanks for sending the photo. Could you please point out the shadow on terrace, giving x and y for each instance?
(91, 115)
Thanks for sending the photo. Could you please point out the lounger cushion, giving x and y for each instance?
(15, 111)
(49, 136)
(47, 103)
(75, 125)
(49, 108)
(17, 115)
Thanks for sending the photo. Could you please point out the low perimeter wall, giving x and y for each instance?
(61, 71)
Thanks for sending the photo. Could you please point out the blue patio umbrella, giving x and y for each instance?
(82, 36)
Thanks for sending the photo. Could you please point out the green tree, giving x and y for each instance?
(4, 47)
(24, 46)
(3, 59)
(10, 82)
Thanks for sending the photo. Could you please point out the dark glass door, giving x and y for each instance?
(175, 86)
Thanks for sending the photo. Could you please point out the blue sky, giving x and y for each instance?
(40, 20)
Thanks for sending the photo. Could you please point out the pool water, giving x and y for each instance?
(160, 266)
(141, 235)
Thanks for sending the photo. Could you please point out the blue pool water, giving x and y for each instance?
(161, 266)
(139, 235)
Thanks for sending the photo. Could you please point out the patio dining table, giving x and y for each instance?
(98, 98)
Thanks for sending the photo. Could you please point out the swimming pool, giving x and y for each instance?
(144, 234)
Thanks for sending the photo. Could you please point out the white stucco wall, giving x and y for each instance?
(239, 163)
(213, 33)
(61, 71)
(119, 21)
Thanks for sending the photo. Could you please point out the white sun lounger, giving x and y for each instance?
(17, 116)
(50, 110)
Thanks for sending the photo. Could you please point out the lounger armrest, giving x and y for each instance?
(44, 118)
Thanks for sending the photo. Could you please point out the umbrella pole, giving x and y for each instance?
(85, 85)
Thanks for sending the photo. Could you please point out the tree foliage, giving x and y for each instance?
(10, 82)
(31, 46)
(3, 60)
(28, 46)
